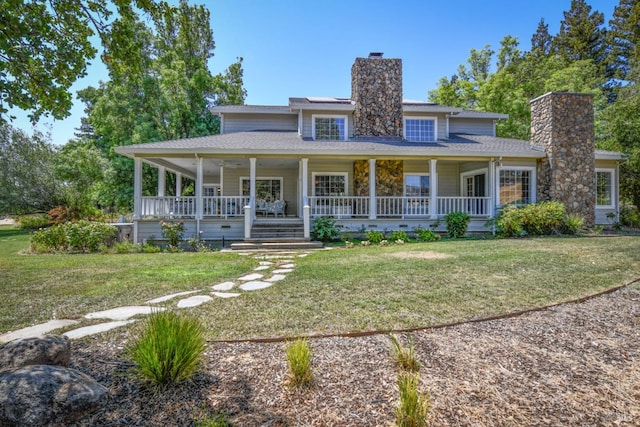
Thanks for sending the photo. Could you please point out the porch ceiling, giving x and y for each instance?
(187, 165)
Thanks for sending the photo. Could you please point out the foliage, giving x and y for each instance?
(299, 359)
(33, 222)
(169, 349)
(325, 230)
(218, 420)
(404, 357)
(62, 214)
(413, 407)
(374, 237)
(426, 234)
(543, 218)
(126, 247)
(148, 248)
(399, 235)
(49, 47)
(26, 171)
(172, 231)
(84, 236)
(572, 224)
(457, 223)
(630, 216)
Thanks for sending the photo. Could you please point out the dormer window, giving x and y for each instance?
(330, 128)
(420, 129)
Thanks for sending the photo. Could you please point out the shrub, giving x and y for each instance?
(426, 235)
(399, 235)
(172, 231)
(34, 222)
(413, 406)
(299, 358)
(149, 248)
(457, 223)
(630, 216)
(49, 240)
(169, 349)
(62, 214)
(325, 230)
(537, 219)
(404, 357)
(126, 247)
(82, 236)
(374, 237)
(572, 224)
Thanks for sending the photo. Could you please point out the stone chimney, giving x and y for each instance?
(562, 124)
(376, 89)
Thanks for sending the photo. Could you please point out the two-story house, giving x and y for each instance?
(372, 161)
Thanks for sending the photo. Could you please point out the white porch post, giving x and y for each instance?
(221, 179)
(492, 188)
(372, 189)
(162, 180)
(252, 181)
(306, 209)
(433, 190)
(137, 188)
(199, 183)
(178, 184)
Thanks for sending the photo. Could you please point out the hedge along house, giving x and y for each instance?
(372, 161)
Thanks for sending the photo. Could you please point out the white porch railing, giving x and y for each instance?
(339, 206)
(170, 206)
(474, 206)
(398, 206)
(224, 206)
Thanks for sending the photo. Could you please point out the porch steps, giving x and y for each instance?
(276, 234)
(275, 244)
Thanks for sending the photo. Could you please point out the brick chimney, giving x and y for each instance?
(562, 124)
(376, 88)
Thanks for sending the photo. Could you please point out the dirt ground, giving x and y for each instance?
(576, 364)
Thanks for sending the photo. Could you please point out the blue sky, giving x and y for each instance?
(306, 48)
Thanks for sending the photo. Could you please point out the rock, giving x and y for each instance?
(42, 395)
(42, 350)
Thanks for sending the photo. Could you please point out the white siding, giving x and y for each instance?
(289, 177)
(250, 122)
(471, 126)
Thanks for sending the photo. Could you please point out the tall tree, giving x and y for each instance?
(581, 35)
(624, 38)
(508, 53)
(45, 47)
(541, 40)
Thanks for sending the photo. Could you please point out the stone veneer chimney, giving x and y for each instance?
(562, 124)
(376, 89)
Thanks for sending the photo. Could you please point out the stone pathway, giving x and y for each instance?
(273, 267)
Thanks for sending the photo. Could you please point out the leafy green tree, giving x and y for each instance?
(541, 40)
(26, 172)
(45, 46)
(624, 38)
(581, 35)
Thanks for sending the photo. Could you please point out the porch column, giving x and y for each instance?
(137, 188)
(433, 189)
(221, 180)
(252, 184)
(162, 179)
(306, 209)
(178, 184)
(199, 183)
(492, 188)
(372, 189)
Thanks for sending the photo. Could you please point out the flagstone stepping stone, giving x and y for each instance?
(123, 313)
(288, 266)
(193, 301)
(96, 329)
(262, 267)
(275, 278)
(254, 285)
(265, 263)
(226, 294)
(35, 330)
(253, 276)
(283, 270)
(303, 255)
(224, 286)
(172, 296)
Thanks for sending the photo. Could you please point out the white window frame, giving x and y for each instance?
(216, 190)
(404, 182)
(329, 116)
(264, 178)
(532, 190)
(344, 174)
(612, 171)
(435, 126)
(465, 175)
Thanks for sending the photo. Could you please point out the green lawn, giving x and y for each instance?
(340, 290)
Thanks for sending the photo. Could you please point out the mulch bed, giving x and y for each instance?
(573, 364)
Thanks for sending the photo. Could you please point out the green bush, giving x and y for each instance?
(325, 230)
(299, 358)
(173, 232)
(84, 236)
(572, 224)
(536, 219)
(374, 236)
(33, 222)
(169, 349)
(414, 406)
(126, 247)
(399, 235)
(426, 235)
(630, 216)
(149, 248)
(457, 224)
(404, 356)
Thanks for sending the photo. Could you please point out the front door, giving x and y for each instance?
(475, 188)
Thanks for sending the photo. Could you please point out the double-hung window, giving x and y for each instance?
(420, 129)
(516, 186)
(604, 188)
(331, 128)
(268, 189)
(329, 184)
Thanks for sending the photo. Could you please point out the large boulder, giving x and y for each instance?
(42, 395)
(42, 350)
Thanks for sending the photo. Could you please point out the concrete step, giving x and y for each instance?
(275, 245)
